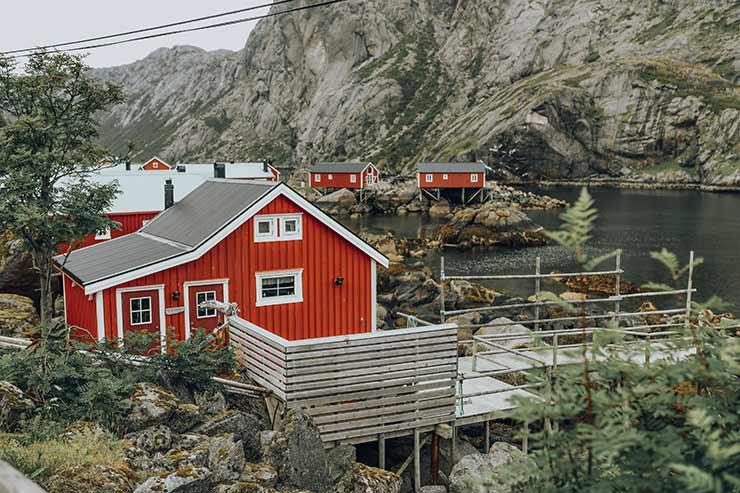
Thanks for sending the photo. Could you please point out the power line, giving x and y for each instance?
(147, 29)
(191, 29)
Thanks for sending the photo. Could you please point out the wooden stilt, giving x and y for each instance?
(381, 451)
(417, 461)
(487, 437)
(453, 441)
(463, 195)
(435, 458)
(525, 438)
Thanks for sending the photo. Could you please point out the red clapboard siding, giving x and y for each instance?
(155, 164)
(454, 180)
(338, 180)
(79, 311)
(323, 255)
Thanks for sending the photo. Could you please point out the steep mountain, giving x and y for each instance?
(546, 88)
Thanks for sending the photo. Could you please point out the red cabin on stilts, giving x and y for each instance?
(354, 176)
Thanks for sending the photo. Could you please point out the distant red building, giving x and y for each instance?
(451, 175)
(291, 268)
(156, 164)
(356, 176)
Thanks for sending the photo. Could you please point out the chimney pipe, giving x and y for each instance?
(128, 165)
(219, 170)
(169, 194)
(264, 166)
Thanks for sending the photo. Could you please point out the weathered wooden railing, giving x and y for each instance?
(357, 387)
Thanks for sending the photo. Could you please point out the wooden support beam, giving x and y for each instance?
(417, 461)
(410, 458)
(444, 431)
(487, 437)
(435, 458)
(381, 451)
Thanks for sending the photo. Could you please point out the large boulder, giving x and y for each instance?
(17, 274)
(297, 453)
(225, 458)
(92, 479)
(520, 335)
(367, 479)
(491, 224)
(17, 315)
(13, 403)
(440, 209)
(488, 473)
(339, 202)
(246, 427)
(185, 480)
(153, 439)
(150, 405)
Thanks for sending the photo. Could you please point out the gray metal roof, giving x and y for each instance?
(338, 167)
(206, 210)
(115, 256)
(177, 230)
(451, 167)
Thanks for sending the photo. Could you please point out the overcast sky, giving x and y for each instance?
(28, 23)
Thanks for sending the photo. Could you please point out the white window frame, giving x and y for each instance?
(444, 176)
(286, 235)
(429, 178)
(296, 297)
(317, 177)
(473, 177)
(103, 235)
(140, 311)
(262, 237)
(353, 178)
(155, 165)
(210, 312)
(331, 177)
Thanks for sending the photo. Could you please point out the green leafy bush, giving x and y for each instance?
(627, 419)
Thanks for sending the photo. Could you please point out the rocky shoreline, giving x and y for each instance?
(629, 185)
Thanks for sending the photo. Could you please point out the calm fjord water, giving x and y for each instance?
(637, 221)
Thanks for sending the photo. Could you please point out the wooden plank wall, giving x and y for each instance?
(359, 388)
(264, 358)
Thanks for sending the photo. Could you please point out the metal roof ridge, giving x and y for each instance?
(176, 244)
(238, 181)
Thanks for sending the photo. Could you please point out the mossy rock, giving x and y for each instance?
(92, 479)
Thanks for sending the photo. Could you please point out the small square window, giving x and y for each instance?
(290, 227)
(474, 178)
(429, 178)
(141, 310)
(264, 227)
(353, 178)
(202, 297)
(331, 177)
(444, 177)
(103, 235)
(155, 165)
(318, 177)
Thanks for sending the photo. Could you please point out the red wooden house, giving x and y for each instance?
(451, 175)
(291, 268)
(441, 177)
(343, 175)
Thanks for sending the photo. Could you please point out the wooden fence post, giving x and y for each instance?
(537, 294)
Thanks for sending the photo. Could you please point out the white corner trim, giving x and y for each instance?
(297, 274)
(186, 297)
(203, 248)
(373, 296)
(99, 315)
(64, 296)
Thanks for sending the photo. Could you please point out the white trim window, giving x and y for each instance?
(331, 177)
(444, 176)
(265, 229)
(429, 178)
(140, 310)
(155, 165)
(202, 297)
(474, 178)
(317, 177)
(103, 235)
(353, 178)
(291, 227)
(277, 288)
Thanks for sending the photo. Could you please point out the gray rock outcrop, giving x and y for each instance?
(484, 473)
(643, 91)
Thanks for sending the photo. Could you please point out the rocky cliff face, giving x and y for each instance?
(544, 88)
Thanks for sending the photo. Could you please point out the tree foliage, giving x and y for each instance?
(630, 418)
(48, 152)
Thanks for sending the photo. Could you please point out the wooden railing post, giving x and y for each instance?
(442, 288)
(537, 294)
